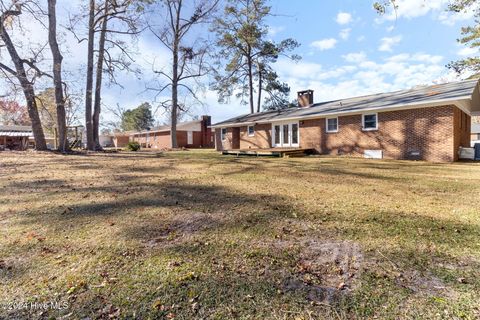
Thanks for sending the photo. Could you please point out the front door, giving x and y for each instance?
(285, 135)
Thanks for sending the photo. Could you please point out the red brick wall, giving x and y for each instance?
(155, 140)
(262, 137)
(223, 144)
(161, 140)
(429, 131)
(120, 141)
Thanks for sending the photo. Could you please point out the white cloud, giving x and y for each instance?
(324, 44)
(411, 9)
(450, 19)
(361, 76)
(388, 43)
(355, 57)
(417, 57)
(402, 57)
(415, 8)
(423, 57)
(273, 31)
(467, 51)
(343, 18)
(301, 70)
(361, 38)
(345, 33)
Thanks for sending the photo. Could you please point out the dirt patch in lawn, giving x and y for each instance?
(326, 271)
(424, 284)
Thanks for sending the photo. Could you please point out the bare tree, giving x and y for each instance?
(57, 76)
(111, 19)
(22, 65)
(117, 113)
(89, 83)
(47, 108)
(98, 81)
(188, 61)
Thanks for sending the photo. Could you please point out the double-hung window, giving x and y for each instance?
(370, 121)
(223, 133)
(332, 124)
(251, 131)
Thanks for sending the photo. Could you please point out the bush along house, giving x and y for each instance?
(425, 123)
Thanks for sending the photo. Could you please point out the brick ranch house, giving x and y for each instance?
(191, 134)
(425, 123)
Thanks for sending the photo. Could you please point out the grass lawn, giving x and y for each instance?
(192, 234)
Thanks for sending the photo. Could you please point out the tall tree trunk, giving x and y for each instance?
(89, 85)
(98, 82)
(174, 115)
(57, 76)
(259, 98)
(250, 83)
(27, 88)
(173, 127)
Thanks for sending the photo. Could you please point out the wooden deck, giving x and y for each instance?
(271, 152)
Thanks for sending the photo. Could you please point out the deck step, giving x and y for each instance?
(269, 152)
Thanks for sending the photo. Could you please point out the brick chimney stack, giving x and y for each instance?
(305, 98)
(206, 131)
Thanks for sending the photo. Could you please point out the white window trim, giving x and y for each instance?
(290, 144)
(223, 136)
(326, 125)
(376, 122)
(248, 131)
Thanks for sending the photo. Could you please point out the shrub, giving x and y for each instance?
(133, 146)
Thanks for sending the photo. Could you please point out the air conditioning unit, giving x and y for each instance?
(466, 153)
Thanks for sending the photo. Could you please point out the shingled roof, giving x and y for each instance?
(424, 95)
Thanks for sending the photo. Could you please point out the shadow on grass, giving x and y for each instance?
(198, 212)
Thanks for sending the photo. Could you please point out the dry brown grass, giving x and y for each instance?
(196, 235)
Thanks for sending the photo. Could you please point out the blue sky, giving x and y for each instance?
(347, 49)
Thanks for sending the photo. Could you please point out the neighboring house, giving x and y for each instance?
(192, 134)
(117, 140)
(105, 140)
(425, 123)
(475, 133)
(15, 137)
(120, 139)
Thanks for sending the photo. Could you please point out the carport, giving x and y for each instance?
(14, 137)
